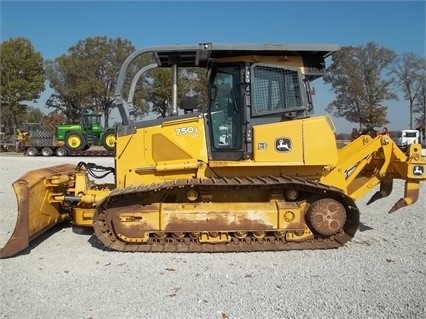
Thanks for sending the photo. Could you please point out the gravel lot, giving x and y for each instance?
(65, 274)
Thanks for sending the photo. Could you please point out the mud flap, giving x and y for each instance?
(36, 212)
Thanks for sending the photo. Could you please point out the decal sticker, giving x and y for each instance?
(418, 170)
(262, 146)
(283, 144)
(187, 130)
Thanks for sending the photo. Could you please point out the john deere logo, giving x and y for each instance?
(418, 170)
(283, 144)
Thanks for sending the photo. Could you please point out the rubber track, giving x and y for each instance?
(247, 244)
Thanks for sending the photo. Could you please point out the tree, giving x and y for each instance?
(85, 79)
(420, 108)
(410, 72)
(199, 87)
(70, 94)
(138, 104)
(357, 79)
(34, 115)
(158, 88)
(49, 122)
(22, 79)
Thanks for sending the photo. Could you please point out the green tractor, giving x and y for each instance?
(89, 132)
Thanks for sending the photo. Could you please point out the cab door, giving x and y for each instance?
(226, 114)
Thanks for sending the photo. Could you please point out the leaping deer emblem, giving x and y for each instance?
(418, 170)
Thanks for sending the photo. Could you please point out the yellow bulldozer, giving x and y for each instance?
(253, 172)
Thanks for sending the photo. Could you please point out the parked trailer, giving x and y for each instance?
(90, 152)
(63, 151)
(44, 143)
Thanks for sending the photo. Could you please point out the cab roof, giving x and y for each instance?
(200, 55)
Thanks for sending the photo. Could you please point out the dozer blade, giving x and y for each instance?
(411, 194)
(386, 186)
(36, 213)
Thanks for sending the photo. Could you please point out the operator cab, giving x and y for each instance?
(91, 121)
(246, 94)
(249, 85)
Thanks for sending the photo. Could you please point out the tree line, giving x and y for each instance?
(362, 78)
(84, 81)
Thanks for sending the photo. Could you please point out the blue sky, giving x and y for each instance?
(54, 26)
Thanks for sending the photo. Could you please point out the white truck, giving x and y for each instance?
(404, 138)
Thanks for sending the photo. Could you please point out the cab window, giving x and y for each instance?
(275, 90)
(225, 108)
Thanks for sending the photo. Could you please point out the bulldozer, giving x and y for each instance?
(255, 171)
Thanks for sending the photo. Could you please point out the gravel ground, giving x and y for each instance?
(379, 274)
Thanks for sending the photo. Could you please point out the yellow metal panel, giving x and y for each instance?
(147, 220)
(134, 226)
(290, 216)
(83, 216)
(219, 216)
(166, 149)
(300, 142)
(320, 146)
(293, 61)
(183, 139)
(178, 142)
(279, 142)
